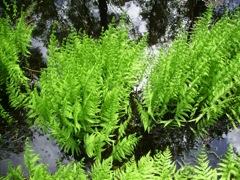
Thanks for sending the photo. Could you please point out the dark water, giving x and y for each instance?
(49, 151)
(161, 20)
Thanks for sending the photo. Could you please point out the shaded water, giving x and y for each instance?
(49, 151)
(161, 20)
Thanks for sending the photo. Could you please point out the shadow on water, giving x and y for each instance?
(161, 20)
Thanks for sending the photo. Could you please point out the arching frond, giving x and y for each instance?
(203, 170)
(229, 167)
(125, 147)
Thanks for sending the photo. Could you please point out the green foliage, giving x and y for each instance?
(202, 170)
(160, 167)
(15, 173)
(34, 170)
(72, 171)
(85, 90)
(125, 147)
(4, 114)
(102, 170)
(229, 167)
(164, 167)
(14, 40)
(38, 171)
(196, 81)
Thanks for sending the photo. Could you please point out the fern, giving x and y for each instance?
(86, 87)
(73, 170)
(5, 115)
(146, 167)
(35, 170)
(123, 126)
(125, 147)
(229, 167)
(14, 173)
(94, 143)
(102, 170)
(128, 171)
(146, 121)
(163, 165)
(202, 170)
(14, 40)
(196, 81)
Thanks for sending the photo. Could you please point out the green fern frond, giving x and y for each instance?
(160, 166)
(5, 115)
(72, 171)
(123, 126)
(202, 170)
(30, 158)
(146, 167)
(143, 169)
(229, 167)
(15, 37)
(102, 170)
(94, 143)
(110, 108)
(146, 121)
(125, 147)
(14, 173)
(128, 171)
(164, 167)
(184, 173)
(65, 139)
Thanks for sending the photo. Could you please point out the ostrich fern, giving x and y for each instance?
(14, 40)
(196, 81)
(85, 90)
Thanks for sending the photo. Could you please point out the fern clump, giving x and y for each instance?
(196, 81)
(14, 40)
(85, 90)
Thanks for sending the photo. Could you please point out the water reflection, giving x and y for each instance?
(215, 148)
(158, 18)
(49, 151)
(233, 137)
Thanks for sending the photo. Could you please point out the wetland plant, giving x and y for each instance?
(196, 81)
(85, 91)
(14, 40)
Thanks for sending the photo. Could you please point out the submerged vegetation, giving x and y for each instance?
(84, 98)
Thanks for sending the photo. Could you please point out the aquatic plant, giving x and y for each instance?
(14, 40)
(85, 91)
(160, 166)
(196, 80)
